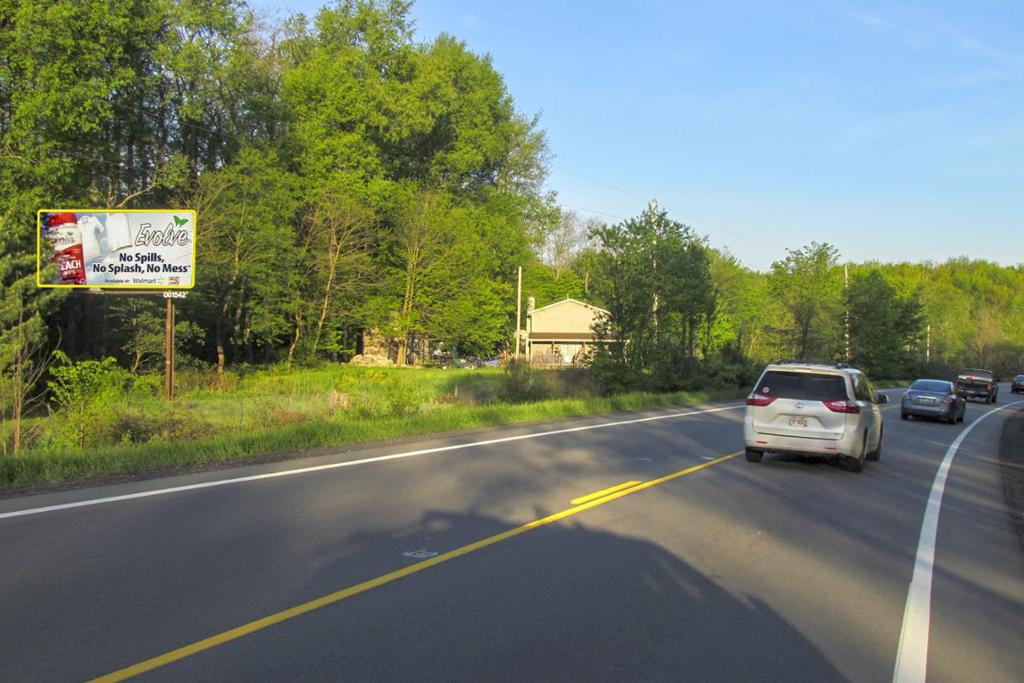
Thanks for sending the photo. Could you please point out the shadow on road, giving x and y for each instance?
(558, 603)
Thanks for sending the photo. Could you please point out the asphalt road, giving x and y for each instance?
(790, 569)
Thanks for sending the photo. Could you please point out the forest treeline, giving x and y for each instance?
(349, 176)
(694, 314)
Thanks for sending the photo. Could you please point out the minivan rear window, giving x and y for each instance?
(805, 385)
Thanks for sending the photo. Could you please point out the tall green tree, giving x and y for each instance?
(746, 310)
(653, 277)
(885, 328)
(438, 283)
(809, 285)
(24, 357)
(247, 254)
(335, 247)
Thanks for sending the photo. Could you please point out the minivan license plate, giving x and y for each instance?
(798, 422)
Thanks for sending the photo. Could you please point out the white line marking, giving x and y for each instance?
(350, 463)
(912, 655)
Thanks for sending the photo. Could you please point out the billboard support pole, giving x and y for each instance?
(169, 351)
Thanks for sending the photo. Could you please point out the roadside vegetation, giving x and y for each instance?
(117, 423)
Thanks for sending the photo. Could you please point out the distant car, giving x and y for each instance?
(1018, 385)
(814, 409)
(974, 383)
(934, 398)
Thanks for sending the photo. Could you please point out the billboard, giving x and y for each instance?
(117, 248)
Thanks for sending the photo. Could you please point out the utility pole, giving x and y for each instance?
(653, 206)
(846, 332)
(531, 303)
(519, 307)
(928, 345)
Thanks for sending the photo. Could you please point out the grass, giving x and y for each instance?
(277, 411)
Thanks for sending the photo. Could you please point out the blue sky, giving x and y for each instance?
(893, 130)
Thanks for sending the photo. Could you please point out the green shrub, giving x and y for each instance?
(84, 392)
(521, 383)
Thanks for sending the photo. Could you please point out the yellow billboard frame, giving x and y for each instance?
(39, 249)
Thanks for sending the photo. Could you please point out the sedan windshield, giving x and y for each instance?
(932, 385)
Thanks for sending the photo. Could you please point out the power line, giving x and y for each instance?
(722, 230)
(688, 217)
(599, 182)
(603, 213)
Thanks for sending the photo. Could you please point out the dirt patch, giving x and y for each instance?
(1011, 460)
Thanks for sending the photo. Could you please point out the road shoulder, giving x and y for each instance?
(1011, 462)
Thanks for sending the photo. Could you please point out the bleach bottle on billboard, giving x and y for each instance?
(65, 236)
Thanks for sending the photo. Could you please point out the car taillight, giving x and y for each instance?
(990, 386)
(842, 406)
(759, 400)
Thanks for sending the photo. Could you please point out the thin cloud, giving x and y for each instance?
(868, 19)
(964, 42)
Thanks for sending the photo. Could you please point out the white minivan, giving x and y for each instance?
(813, 409)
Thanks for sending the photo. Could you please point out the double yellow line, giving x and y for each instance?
(579, 505)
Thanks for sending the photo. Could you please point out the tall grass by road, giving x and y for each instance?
(129, 429)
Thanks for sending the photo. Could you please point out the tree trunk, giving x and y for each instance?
(403, 350)
(407, 305)
(17, 406)
(805, 333)
(332, 268)
(236, 336)
(247, 336)
(295, 339)
(219, 333)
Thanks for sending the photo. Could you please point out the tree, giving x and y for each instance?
(141, 323)
(745, 307)
(885, 328)
(653, 278)
(564, 242)
(808, 284)
(438, 283)
(540, 283)
(248, 252)
(336, 248)
(23, 355)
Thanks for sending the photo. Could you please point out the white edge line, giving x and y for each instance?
(350, 463)
(912, 655)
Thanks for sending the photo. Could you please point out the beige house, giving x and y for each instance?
(561, 334)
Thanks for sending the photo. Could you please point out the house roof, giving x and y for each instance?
(567, 300)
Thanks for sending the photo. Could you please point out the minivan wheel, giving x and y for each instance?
(754, 455)
(874, 455)
(857, 464)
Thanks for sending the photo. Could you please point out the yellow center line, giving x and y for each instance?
(602, 493)
(331, 598)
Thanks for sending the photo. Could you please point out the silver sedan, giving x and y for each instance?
(934, 398)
